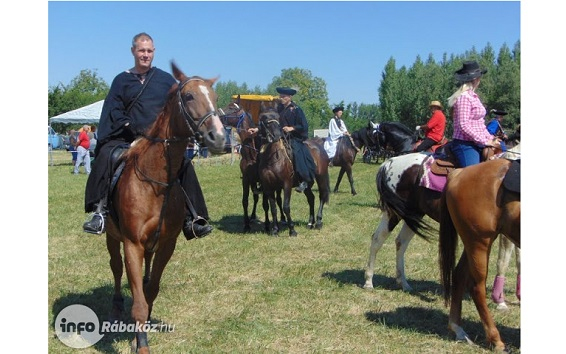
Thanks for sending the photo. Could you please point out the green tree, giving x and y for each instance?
(84, 89)
(311, 95)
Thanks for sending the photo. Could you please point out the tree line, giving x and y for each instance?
(404, 93)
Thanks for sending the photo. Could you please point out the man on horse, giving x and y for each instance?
(135, 99)
(494, 127)
(434, 128)
(296, 128)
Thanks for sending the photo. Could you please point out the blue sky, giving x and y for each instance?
(347, 44)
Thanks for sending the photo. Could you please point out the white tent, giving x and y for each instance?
(86, 114)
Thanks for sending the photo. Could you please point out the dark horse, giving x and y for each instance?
(397, 139)
(477, 205)
(235, 116)
(402, 198)
(366, 139)
(148, 203)
(345, 156)
(276, 174)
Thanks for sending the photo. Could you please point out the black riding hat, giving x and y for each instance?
(286, 91)
(339, 108)
(498, 112)
(469, 71)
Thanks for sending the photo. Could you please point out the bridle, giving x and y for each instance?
(194, 127)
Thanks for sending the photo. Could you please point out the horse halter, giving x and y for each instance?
(190, 120)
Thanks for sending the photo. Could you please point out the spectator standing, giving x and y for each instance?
(83, 144)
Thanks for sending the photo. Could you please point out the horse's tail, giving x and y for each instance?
(393, 204)
(446, 247)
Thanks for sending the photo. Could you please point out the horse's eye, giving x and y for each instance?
(189, 96)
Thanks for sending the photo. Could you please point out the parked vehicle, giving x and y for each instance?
(54, 140)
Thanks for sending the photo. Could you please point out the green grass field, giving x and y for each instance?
(232, 292)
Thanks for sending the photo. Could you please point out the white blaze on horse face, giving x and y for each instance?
(216, 120)
(396, 166)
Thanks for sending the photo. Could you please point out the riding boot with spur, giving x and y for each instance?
(96, 225)
(196, 228)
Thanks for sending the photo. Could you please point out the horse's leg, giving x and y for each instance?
(318, 224)
(148, 258)
(273, 208)
(245, 203)
(460, 283)
(162, 257)
(379, 236)
(134, 256)
(282, 216)
(116, 265)
(287, 208)
(310, 199)
(351, 179)
(401, 243)
(253, 217)
(340, 175)
(477, 249)
(265, 204)
(503, 259)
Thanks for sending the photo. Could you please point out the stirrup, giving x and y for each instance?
(87, 227)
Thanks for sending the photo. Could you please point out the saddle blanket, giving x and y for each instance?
(430, 180)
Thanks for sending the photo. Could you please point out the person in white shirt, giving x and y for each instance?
(336, 130)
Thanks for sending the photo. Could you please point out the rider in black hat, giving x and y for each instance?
(295, 125)
(494, 126)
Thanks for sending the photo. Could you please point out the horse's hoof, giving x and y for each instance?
(368, 286)
(310, 226)
(354, 193)
(318, 226)
(293, 233)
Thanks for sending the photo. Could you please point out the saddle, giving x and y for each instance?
(446, 161)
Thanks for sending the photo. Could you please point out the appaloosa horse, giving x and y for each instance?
(147, 206)
(404, 197)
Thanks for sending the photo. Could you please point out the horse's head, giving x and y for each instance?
(269, 126)
(197, 102)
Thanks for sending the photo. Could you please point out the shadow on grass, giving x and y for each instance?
(234, 224)
(421, 288)
(99, 300)
(431, 321)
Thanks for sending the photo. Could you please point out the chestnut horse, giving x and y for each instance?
(148, 203)
(402, 199)
(277, 174)
(236, 117)
(477, 205)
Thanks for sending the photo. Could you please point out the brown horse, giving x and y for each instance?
(345, 156)
(277, 174)
(237, 118)
(148, 203)
(477, 205)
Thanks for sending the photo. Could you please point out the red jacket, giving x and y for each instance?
(84, 141)
(435, 126)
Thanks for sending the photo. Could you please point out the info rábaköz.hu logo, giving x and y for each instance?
(77, 326)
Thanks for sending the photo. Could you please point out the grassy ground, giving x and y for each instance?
(241, 293)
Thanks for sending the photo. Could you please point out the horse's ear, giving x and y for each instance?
(177, 73)
(212, 81)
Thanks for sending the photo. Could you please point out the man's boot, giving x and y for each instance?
(196, 228)
(97, 224)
